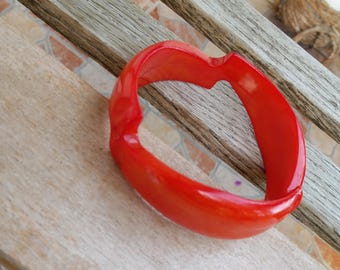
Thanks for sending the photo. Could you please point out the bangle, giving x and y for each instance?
(196, 206)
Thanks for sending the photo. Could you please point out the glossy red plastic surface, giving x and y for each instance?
(201, 208)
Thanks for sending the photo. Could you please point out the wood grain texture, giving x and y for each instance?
(236, 26)
(111, 33)
(64, 203)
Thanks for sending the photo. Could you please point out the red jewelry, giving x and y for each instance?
(191, 204)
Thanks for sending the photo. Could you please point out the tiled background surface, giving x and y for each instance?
(79, 62)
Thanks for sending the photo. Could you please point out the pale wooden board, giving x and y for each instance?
(63, 202)
(236, 26)
(112, 32)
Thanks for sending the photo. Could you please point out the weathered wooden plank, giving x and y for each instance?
(237, 26)
(63, 202)
(111, 33)
(322, 213)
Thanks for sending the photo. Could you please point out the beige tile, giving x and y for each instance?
(74, 48)
(24, 24)
(330, 256)
(184, 31)
(177, 25)
(64, 54)
(213, 51)
(229, 180)
(321, 140)
(180, 151)
(199, 157)
(161, 129)
(314, 252)
(165, 12)
(98, 77)
(296, 232)
(145, 4)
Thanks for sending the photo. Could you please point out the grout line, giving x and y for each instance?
(7, 10)
(333, 151)
(84, 63)
(41, 43)
(145, 104)
(204, 44)
(68, 44)
(317, 251)
(178, 148)
(184, 148)
(145, 112)
(310, 246)
(203, 149)
(178, 143)
(173, 16)
(152, 7)
(307, 135)
(212, 174)
(49, 47)
(43, 40)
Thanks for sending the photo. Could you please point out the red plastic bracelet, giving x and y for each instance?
(201, 208)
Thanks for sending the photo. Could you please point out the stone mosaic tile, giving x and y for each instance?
(44, 45)
(212, 50)
(315, 253)
(329, 256)
(198, 156)
(229, 180)
(98, 77)
(296, 232)
(24, 25)
(146, 4)
(157, 125)
(4, 5)
(176, 24)
(64, 55)
(180, 149)
(154, 14)
(65, 41)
